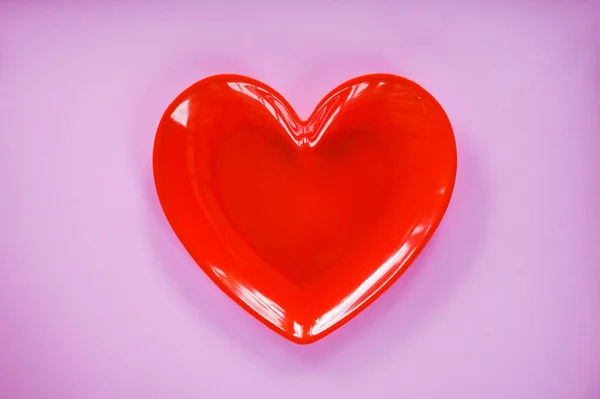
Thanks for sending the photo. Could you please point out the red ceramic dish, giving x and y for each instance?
(304, 223)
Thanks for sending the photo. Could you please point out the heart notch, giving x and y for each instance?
(304, 223)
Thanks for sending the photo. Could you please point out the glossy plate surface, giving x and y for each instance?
(304, 223)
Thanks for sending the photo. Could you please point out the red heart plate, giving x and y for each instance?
(304, 223)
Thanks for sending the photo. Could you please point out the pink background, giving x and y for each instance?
(99, 300)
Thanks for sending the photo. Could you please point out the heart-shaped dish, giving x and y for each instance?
(304, 223)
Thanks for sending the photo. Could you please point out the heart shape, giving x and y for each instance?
(304, 223)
